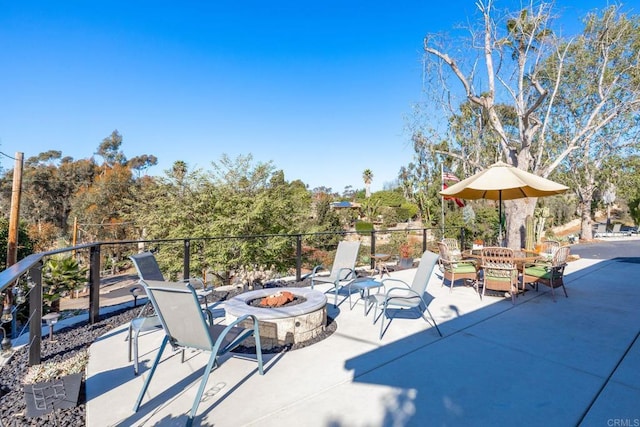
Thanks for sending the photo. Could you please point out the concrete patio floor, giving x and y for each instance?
(571, 362)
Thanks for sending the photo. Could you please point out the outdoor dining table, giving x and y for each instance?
(521, 257)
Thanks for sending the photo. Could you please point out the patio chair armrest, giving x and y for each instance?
(316, 269)
(235, 324)
(535, 264)
(389, 293)
(391, 279)
(350, 272)
(209, 315)
(198, 282)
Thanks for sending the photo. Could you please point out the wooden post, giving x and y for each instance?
(14, 216)
(75, 234)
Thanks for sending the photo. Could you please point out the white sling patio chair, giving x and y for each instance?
(343, 269)
(185, 326)
(407, 296)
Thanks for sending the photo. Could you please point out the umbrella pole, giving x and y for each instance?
(500, 216)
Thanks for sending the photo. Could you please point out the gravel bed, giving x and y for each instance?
(67, 342)
(71, 340)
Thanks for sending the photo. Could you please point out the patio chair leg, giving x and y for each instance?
(151, 372)
(384, 314)
(432, 319)
(203, 383)
(135, 352)
(256, 338)
(129, 338)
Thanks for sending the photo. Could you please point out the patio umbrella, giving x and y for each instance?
(501, 181)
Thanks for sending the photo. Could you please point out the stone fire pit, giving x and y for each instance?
(280, 326)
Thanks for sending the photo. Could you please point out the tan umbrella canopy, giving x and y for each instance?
(501, 181)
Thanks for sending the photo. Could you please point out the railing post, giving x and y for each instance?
(94, 284)
(424, 240)
(186, 260)
(35, 314)
(298, 257)
(373, 249)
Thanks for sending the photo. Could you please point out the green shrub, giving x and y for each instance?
(364, 228)
(60, 276)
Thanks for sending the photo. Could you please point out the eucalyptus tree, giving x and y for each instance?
(595, 117)
(515, 75)
(103, 205)
(49, 184)
(109, 150)
(418, 177)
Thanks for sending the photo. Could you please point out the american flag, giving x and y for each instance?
(447, 175)
(459, 202)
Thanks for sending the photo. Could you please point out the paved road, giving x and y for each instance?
(113, 290)
(601, 249)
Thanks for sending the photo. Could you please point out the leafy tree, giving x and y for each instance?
(141, 163)
(532, 107)
(109, 150)
(48, 186)
(102, 206)
(25, 244)
(602, 66)
(416, 178)
(238, 197)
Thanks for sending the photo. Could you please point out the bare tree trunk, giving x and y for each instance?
(586, 223)
(516, 213)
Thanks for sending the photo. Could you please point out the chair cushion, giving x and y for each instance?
(539, 271)
(497, 278)
(464, 268)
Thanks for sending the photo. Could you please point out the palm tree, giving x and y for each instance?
(367, 176)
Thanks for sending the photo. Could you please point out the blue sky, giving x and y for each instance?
(322, 89)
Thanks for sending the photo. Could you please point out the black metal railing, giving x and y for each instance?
(30, 268)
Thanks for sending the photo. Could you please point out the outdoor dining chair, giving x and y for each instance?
(551, 275)
(548, 248)
(187, 327)
(406, 296)
(454, 247)
(499, 270)
(453, 269)
(343, 270)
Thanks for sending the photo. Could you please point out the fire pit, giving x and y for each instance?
(279, 299)
(286, 324)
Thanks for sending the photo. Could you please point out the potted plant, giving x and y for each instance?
(406, 258)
